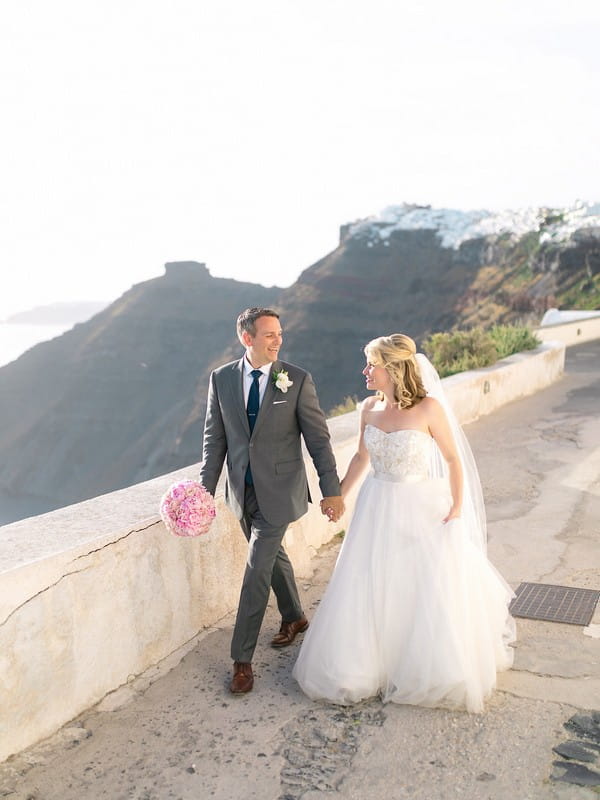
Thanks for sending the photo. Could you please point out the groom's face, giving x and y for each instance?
(263, 347)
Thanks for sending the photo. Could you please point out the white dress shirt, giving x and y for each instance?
(262, 381)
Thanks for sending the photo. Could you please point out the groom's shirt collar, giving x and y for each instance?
(265, 369)
(262, 382)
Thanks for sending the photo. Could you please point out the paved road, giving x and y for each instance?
(177, 733)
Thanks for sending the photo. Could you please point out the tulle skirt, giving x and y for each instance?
(414, 612)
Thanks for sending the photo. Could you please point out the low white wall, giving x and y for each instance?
(570, 333)
(97, 592)
(476, 393)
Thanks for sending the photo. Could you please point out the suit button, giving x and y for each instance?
(251, 444)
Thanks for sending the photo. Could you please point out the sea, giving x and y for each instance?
(16, 338)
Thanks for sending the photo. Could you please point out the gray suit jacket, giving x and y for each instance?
(274, 450)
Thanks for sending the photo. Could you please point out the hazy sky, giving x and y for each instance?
(242, 133)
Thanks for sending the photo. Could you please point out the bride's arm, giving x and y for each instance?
(440, 430)
(360, 459)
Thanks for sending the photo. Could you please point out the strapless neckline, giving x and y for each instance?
(400, 430)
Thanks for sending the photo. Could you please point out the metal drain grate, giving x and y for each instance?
(555, 603)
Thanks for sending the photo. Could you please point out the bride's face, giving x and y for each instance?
(377, 378)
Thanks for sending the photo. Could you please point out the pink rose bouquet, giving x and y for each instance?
(187, 509)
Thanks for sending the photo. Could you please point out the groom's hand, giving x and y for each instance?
(332, 507)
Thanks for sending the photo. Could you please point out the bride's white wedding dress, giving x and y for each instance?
(414, 611)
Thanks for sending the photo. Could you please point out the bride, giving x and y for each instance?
(414, 611)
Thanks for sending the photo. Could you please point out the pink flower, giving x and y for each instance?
(187, 509)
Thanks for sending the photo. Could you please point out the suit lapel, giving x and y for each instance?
(267, 400)
(236, 386)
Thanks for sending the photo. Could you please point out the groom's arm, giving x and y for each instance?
(313, 426)
(214, 446)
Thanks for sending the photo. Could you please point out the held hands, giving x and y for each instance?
(332, 507)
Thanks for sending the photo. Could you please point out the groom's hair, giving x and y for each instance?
(247, 319)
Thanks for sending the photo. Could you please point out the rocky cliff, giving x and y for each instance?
(420, 270)
(100, 406)
(121, 398)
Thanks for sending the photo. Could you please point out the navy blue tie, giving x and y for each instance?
(252, 410)
(253, 399)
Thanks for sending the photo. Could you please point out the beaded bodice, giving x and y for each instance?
(402, 455)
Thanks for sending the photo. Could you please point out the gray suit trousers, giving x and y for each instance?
(267, 566)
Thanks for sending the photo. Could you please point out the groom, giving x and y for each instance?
(258, 408)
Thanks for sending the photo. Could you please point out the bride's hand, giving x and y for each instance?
(454, 513)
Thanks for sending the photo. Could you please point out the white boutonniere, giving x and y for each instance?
(282, 381)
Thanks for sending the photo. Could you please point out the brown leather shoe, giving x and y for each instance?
(243, 679)
(288, 632)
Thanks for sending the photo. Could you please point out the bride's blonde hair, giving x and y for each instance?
(397, 354)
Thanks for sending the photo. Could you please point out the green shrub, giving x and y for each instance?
(511, 339)
(458, 351)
